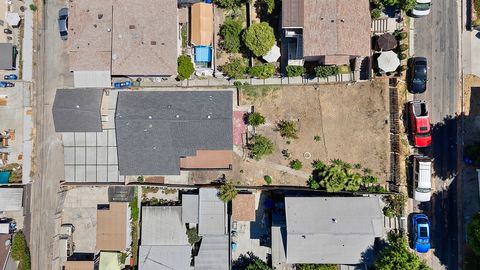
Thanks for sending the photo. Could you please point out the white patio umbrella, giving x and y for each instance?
(388, 61)
(273, 55)
(13, 18)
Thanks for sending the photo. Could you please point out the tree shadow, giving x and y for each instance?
(444, 147)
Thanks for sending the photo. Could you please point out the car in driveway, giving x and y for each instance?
(421, 233)
(4, 84)
(419, 123)
(418, 75)
(63, 23)
(10, 77)
(421, 8)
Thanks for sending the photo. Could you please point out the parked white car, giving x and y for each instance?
(422, 8)
(422, 178)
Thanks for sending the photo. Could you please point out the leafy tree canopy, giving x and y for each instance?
(255, 119)
(229, 4)
(227, 192)
(185, 67)
(262, 71)
(230, 32)
(262, 146)
(259, 38)
(236, 68)
(294, 71)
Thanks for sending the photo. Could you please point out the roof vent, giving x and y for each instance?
(332, 21)
(209, 116)
(78, 106)
(95, 26)
(153, 42)
(131, 26)
(109, 30)
(149, 117)
(100, 16)
(342, 20)
(177, 116)
(334, 220)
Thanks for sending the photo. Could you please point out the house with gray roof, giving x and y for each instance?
(11, 199)
(78, 110)
(155, 130)
(7, 56)
(341, 230)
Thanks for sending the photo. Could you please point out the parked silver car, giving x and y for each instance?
(63, 23)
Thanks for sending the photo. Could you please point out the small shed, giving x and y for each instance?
(201, 24)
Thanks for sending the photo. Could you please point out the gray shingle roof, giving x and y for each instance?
(162, 225)
(78, 110)
(212, 213)
(164, 257)
(339, 231)
(11, 199)
(213, 253)
(6, 56)
(155, 129)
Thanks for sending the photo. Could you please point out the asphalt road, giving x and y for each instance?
(437, 38)
(50, 73)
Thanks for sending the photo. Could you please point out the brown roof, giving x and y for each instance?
(4, 248)
(112, 227)
(292, 13)
(336, 27)
(89, 41)
(202, 24)
(78, 265)
(145, 39)
(208, 159)
(243, 207)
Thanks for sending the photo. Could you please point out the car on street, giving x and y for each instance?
(421, 233)
(10, 77)
(122, 84)
(63, 23)
(418, 75)
(4, 84)
(421, 8)
(419, 123)
(422, 178)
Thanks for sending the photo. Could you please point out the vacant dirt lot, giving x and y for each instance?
(350, 120)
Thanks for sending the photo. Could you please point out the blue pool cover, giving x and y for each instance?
(203, 54)
(4, 176)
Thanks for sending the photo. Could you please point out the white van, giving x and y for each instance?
(422, 178)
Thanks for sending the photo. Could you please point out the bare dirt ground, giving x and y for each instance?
(351, 121)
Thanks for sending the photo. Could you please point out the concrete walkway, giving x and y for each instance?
(471, 47)
(27, 46)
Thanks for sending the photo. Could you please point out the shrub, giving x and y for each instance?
(316, 267)
(33, 7)
(407, 5)
(262, 146)
(402, 56)
(20, 251)
(230, 32)
(394, 204)
(255, 119)
(269, 4)
(401, 35)
(192, 236)
(287, 129)
(236, 68)
(268, 179)
(317, 138)
(296, 164)
(294, 71)
(227, 192)
(344, 69)
(325, 71)
(403, 47)
(375, 13)
(262, 71)
(237, 84)
(185, 67)
(259, 38)
(229, 4)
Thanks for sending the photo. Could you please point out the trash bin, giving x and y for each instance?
(7, 31)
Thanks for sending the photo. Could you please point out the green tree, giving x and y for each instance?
(192, 235)
(407, 5)
(287, 129)
(255, 119)
(269, 4)
(257, 264)
(473, 232)
(294, 71)
(185, 67)
(19, 245)
(227, 192)
(326, 71)
(236, 68)
(396, 255)
(262, 71)
(261, 146)
(296, 164)
(230, 32)
(268, 179)
(316, 266)
(229, 4)
(259, 38)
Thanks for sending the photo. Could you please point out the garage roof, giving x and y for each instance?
(11, 199)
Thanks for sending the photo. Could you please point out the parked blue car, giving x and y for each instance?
(4, 84)
(10, 77)
(122, 84)
(421, 233)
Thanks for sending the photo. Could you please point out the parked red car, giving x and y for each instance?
(420, 124)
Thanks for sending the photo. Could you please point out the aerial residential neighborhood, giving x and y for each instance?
(235, 134)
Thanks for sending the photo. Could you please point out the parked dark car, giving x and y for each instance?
(63, 23)
(418, 75)
(10, 77)
(4, 84)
